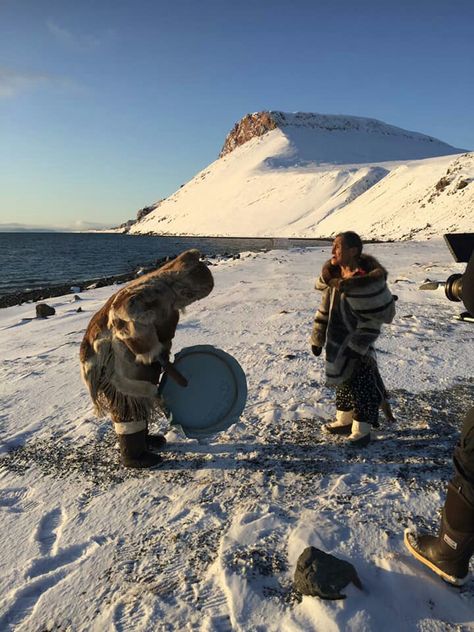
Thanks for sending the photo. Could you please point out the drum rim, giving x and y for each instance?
(240, 399)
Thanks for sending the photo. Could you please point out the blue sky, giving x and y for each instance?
(109, 105)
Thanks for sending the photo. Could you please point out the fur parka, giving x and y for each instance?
(129, 340)
(351, 314)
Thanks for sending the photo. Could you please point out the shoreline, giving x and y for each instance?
(18, 297)
(39, 294)
(75, 287)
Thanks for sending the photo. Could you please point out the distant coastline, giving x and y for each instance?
(41, 294)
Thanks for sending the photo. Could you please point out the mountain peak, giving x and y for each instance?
(319, 137)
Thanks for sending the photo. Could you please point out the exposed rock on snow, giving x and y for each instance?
(141, 213)
(385, 138)
(43, 310)
(323, 575)
(313, 175)
(250, 126)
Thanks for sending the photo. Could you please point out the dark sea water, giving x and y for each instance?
(39, 260)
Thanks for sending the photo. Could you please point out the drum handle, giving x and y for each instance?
(175, 374)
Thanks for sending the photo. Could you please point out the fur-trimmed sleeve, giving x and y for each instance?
(320, 323)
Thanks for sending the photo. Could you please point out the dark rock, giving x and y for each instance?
(323, 575)
(79, 309)
(143, 212)
(77, 297)
(43, 310)
(442, 183)
(251, 126)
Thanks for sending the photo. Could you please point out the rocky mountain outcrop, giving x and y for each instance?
(259, 123)
(141, 213)
(250, 126)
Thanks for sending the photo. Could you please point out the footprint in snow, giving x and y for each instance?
(45, 572)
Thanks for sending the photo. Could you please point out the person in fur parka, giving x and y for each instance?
(127, 345)
(355, 303)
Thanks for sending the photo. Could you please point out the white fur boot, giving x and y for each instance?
(342, 423)
(360, 435)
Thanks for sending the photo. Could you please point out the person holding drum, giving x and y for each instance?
(127, 345)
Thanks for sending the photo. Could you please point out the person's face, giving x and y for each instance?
(341, 254)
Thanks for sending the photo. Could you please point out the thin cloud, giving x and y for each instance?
(14, 82)
(79, 42)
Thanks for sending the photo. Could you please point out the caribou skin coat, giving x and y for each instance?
(128, 341)
(351, 315)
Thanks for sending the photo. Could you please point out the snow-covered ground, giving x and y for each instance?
(314, 176)
(209, 540)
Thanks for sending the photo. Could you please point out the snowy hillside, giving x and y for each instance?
(308, 175)
(208, 541)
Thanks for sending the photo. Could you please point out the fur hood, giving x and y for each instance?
(174, 286)
(331, 275)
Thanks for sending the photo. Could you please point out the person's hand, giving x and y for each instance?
(316, 350)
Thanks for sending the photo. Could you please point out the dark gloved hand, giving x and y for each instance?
(316, 350)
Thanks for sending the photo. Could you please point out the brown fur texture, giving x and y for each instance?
(129, 339)
(331, 274)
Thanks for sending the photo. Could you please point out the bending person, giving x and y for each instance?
(127, 345)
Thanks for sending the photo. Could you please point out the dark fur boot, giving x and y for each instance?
(155, 442)
(448, 553)
(134, 452)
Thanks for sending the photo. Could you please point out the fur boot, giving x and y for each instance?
(155, 441)
(134, 451)
(448, 553)
(342, 424)
(360, 435)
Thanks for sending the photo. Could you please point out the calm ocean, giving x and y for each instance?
(38, 260)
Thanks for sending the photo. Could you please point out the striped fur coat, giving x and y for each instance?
(351, 315)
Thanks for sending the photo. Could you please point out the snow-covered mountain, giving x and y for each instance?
(313, 175)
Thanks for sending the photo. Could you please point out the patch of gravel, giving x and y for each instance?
(416, 448)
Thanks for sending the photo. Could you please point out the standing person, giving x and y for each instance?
(449, 552)
(355, 303)
(127, 345)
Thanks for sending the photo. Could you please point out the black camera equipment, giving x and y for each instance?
(459, 287)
